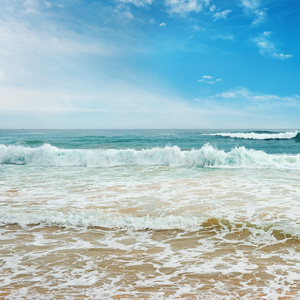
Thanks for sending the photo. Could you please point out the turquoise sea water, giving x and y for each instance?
(277, 141)
(170, 214)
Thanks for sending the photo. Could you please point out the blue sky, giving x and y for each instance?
(150, 64)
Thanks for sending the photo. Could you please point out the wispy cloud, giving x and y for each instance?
(253, 7)
(123, 12)
(240, 92)
(209, 79)
(40, 63)
(118, 105)
(136, 2)
(27, 51)
(212, 8)
(24, 7)
(229, 37)
(251, 4)
(183, 7)
(267, 47)
(222, 14)
(243, 94)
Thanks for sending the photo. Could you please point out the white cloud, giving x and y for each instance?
(267, 33)
(260, 16)
(197, 28)
(19, 32)
(18, 37)
(121, 105)
(163, 24)
(183, 6)
(32, 100)
(24, 7)
(47, 4)
(33, 58)
(117, 105)
(223, 37)
(282, 56)
(206, 3)
(137, 2)
(222, 14)
(31, 6)
(267, 47)
(212, 8)
(242, 94)
(253, 7)
(209, 79)
(122, 12)
(112, 96)
(251, 4)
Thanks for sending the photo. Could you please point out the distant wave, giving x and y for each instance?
(171, 222)
(263, 135)
(207, 156)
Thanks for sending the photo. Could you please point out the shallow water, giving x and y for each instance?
(156, 224)
(208, 263)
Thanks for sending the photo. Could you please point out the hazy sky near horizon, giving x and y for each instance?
(149, 64)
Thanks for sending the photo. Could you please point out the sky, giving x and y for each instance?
(150, 64)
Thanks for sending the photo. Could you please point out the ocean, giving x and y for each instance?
(149, 214)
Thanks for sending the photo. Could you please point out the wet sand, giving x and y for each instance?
(55, 262)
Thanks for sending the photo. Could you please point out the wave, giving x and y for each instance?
(171, 222)
(207, 156)
(260, 135)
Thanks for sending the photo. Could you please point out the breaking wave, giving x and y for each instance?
(260, 135)
(171, 222)
(207, 156)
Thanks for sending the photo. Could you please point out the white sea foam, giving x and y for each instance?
(206, 156)
(86, 219)
(110, 221)
(257, 136)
